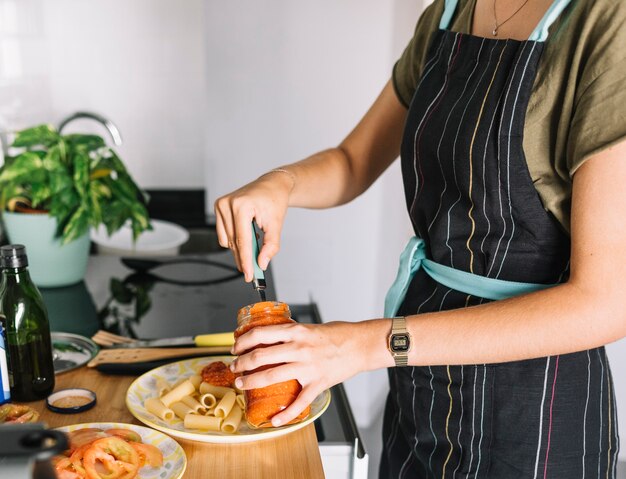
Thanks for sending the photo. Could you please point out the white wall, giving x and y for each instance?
(140, 63)
(288, 78)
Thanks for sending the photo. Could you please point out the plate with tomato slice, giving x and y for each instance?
(119, 450)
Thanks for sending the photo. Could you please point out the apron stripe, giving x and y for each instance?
(432, 107)
(601, 422)
(543, 399)
(473, 421)
(458, 438)
(456, 139)
(508, 162)
(498, 161)
(443, 135)
(609, 395)
(556, 373)
(585, 415)
(471, 159)
(482, 417)
(445, 464)
(430, 420)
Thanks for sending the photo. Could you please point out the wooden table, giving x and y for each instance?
(295, 455)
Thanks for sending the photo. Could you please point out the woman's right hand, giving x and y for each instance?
(264, 200)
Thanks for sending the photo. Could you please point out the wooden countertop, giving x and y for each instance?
(295, 455)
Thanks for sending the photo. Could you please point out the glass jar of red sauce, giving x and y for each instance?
(263, 403)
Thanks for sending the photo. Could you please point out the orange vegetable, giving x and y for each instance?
(149, 455)
(126, 434)
(112, 454)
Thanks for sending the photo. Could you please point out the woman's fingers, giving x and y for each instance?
(267, 377)
(280, 333)
(277, 354)
(271, 244)
(306, 397)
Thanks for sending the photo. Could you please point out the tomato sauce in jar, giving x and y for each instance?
(263, 403)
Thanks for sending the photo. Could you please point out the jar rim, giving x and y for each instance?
(262, 307)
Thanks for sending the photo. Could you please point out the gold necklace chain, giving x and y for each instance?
(497, 25)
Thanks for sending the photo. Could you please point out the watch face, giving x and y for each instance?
(400, 343)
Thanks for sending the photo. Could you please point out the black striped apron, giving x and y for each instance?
(471, 198)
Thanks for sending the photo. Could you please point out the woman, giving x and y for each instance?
(513, 150)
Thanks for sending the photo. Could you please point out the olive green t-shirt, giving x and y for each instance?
(578, 103)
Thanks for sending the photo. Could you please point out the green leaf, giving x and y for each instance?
(41, 135)
(85, 143)
(81, 174)
(121, 293)
(21, 169)
(77, 226)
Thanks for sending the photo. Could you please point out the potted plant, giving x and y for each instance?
(58, 187)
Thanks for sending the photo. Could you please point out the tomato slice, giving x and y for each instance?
(149, 455)
(126, 434)
(84, 437)
(111, 458)
(64, 469)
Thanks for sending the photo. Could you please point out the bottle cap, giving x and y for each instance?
(13, 256)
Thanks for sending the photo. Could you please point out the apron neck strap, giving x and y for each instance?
(539, 34)
(448, 13)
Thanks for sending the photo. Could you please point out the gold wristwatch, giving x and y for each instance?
(399, 343)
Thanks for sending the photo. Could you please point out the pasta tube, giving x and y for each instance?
(217, 391)
(156, 407)
(183, 389)
(232, 421)
(208, 400)
(193, 404)
(208, 423)
(225, 405)
(181, 409)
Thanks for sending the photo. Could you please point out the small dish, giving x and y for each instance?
(71, 401)
(71, 351)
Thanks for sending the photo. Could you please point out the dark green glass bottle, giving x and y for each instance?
(27, 331)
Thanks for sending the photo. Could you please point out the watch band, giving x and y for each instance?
(399, 341)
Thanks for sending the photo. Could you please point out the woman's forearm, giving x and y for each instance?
(559, 320)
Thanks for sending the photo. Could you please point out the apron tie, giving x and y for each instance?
(414, 257)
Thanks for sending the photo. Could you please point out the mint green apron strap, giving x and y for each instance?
(448, 12)
(414, 257)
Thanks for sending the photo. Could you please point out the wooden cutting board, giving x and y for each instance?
(140, 355)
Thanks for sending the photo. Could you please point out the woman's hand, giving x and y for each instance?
(318, 356)
(264, 200)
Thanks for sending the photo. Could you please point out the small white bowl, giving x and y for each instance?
(165, 239)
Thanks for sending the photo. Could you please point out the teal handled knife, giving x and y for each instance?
(258, 281)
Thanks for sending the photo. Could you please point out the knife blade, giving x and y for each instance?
(258, 280)
(214, 339)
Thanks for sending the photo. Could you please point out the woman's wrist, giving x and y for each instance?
(374, 344)
(288, 177)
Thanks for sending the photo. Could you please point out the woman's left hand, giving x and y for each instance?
(318, 356)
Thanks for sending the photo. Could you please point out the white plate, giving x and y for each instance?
(165, 238)
(144, 387)
(174, 458)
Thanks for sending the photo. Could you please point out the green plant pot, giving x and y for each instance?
(51, 264)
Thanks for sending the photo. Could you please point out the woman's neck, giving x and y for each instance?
(509, 21)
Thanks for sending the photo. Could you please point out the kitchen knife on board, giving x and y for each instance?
(200, 340)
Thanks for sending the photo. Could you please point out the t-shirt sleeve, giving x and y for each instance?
(408, 69)
(599, 117)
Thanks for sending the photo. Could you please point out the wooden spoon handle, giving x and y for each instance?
(139, 355)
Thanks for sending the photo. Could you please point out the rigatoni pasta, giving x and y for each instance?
(156, 407)
(199, 404)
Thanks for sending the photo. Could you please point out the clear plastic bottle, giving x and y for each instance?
(27, 330)
(263, 403)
